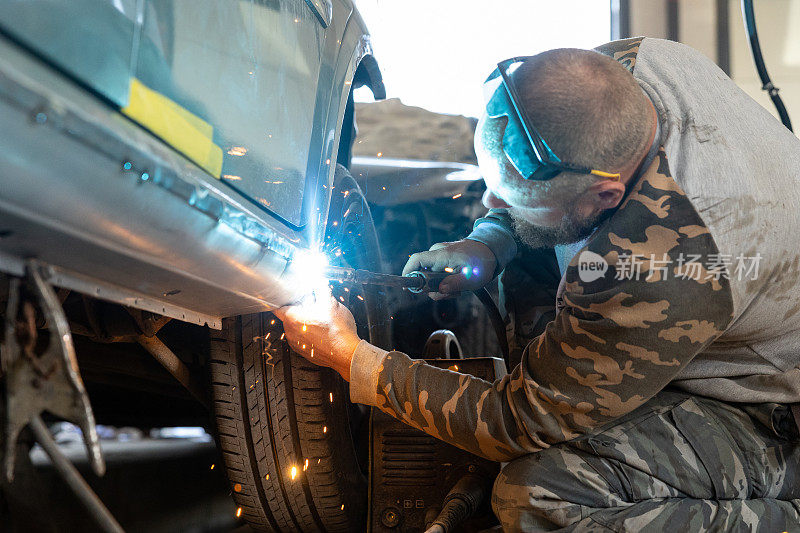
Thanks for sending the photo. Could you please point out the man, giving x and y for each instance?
(659, 396)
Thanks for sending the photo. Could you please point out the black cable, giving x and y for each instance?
(766, 83)
(497, 321)
(466, 496)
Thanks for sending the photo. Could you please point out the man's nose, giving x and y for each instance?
(493, 202)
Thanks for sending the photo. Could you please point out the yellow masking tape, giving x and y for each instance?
(187, 133)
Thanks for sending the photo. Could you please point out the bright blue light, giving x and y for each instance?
(145, 176)
(127, 165)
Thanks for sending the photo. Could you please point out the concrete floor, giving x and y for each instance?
(151, 485)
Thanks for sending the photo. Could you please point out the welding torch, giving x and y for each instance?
(422, 281)
(416, 282)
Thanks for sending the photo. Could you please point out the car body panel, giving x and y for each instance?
(249, 69)
(120, 214)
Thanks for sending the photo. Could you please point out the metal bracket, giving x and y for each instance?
(49, 381)
(46, 379)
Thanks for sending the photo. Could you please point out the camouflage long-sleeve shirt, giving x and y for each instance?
(645, 296)
(613, 344)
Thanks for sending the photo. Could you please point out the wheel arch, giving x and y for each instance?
(355, 67)
(367, 74)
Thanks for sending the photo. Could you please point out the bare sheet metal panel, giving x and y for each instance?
(119, 213)
(161, 229)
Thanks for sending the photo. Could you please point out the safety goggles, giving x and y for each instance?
(522, 143)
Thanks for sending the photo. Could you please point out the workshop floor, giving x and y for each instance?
(151, 485)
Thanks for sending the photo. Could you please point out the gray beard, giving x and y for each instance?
(570, 230)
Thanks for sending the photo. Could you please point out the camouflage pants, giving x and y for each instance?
(678, 463)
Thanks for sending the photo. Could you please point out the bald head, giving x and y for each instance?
(588, 107)
(591, 112)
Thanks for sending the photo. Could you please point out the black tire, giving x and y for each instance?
(275, 411)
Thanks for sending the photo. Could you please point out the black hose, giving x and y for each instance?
(461, 502)
(766, 83)
(497, 322)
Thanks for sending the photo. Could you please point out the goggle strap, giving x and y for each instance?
(610, 175)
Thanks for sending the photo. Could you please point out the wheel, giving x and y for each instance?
(289, 435)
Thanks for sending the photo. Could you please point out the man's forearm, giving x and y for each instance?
(462, 410)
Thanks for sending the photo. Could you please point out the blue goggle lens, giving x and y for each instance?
(516, 144)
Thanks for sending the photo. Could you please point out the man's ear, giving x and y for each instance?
(608, 194)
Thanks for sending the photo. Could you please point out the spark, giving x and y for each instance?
(335, 223)
(293, 472)
(272, 322)
(305, 466)
(342, 507)
(384, 188)
(237, 151)
(330, 396)
(318, 460)
(380, 154)
(283, 336)
(346, 289)
(304, 346)
(454, 367)
(346, 193)
(266, 477)
(305, 328)
(327, 161)
(457, 196)
(312, 351)
(238, 512)
(237, 487)
(232, 177)
(267, 337)
(324, 429)
(448, 269)
(359, 297)
(212, 466)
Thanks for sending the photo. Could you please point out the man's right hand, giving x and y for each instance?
(473, 265)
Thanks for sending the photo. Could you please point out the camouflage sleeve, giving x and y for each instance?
(616, 341)
(498, 217)
(495, 231)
